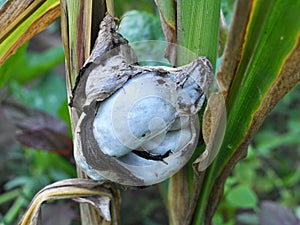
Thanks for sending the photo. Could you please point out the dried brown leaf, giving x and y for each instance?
(234, 45)
(213, 128)
(70, 188)
(38, 129)
(99, 203)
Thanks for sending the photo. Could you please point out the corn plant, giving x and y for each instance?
(259, 65)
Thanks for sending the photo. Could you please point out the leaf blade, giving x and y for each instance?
(253, 81)
(32, 19)
(257, 70)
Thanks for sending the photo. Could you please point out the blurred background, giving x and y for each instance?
(36, 145)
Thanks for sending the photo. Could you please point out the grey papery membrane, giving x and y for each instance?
(126, 109)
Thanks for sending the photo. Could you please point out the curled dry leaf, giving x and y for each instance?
(99, 203)
(96, 193)
(138, 124)
(213, 128)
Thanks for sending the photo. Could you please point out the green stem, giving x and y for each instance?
(198, 30)
(199, 215)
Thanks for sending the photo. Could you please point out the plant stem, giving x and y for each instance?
(198, 30)
(80, 24)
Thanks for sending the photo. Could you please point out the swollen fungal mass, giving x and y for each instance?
(138, 124)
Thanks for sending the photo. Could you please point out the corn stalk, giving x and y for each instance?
(80, 24)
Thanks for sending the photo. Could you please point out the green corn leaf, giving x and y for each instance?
(22, 19)
(268, 69)
(261, 64)
(198, 27)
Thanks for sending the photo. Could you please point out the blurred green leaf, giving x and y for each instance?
(245, 175)
(52, 165)
(242, 196)
(14, 210)
(25, 66)
(7, 196)
(122, 7)
(248, 218)
(138, 26)
(144, 33)
(37, 64)
(11, 65)
(48, 94)
(45, 168)
(17, 182)
(227, 6)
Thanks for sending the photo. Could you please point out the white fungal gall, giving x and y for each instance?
(138, 124)
(144, 111)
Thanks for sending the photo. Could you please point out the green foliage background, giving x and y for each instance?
(271, 170)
